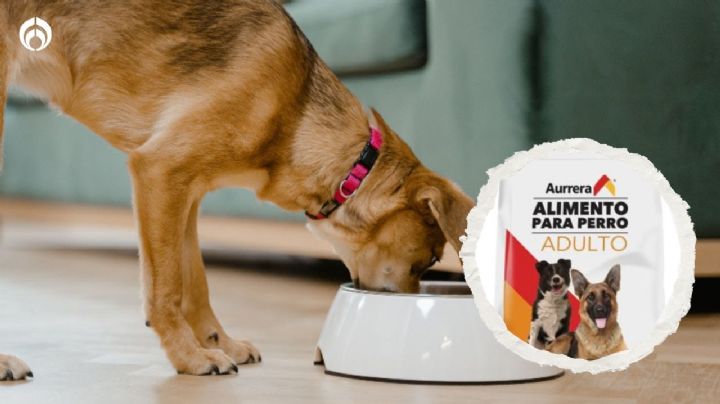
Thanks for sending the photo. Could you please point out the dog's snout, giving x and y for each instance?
(556, 279)
(600, 310)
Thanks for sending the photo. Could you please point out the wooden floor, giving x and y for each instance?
(75, 317)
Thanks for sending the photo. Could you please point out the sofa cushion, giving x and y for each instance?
(363, 36)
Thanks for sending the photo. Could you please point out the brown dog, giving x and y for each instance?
(599, 333)
(207, 94)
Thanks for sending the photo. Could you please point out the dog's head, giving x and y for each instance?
(598, 303)
(554, 278)
(396, 226)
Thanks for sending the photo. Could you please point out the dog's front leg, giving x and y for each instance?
(534, 331)
(163, 194)
(196, 301)
(560, 345)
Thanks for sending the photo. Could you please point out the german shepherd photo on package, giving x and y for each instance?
(598, 333)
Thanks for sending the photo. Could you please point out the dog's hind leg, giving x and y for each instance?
(4, 78)
(163, 193)
(196, 301)
(11, 368)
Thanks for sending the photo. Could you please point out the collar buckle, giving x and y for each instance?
(352, 181)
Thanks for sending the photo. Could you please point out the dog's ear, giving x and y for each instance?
(613, 278)
(564, 263)
(540, 265)
(445, 202)
(376, 120)
(580, 283)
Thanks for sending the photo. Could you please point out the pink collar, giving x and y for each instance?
(355, 177)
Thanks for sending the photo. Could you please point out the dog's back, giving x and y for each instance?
(149, 55)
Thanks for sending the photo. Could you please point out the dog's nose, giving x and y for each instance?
(556, 279)
(601, 311)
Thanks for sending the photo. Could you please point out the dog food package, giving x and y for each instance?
(579, 227)
(579, 255)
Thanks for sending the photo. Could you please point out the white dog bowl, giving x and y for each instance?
(435, 336)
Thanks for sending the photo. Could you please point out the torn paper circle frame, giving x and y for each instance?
(674, 310)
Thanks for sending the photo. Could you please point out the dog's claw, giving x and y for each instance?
(7, 376)
(30, 375)
(233, 369)
(214, 370)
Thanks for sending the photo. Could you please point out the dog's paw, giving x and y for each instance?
(242, 352)
(12, 368)
(207, 362)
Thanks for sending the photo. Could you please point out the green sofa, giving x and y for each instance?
(466, 83)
